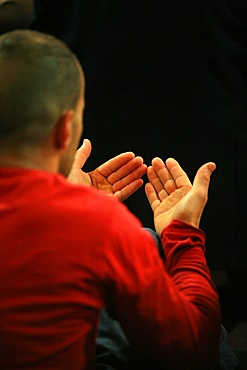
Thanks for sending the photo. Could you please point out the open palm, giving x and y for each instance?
(120, 176)
(171, 194)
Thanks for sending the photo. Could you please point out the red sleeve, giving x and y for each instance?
(169, 310)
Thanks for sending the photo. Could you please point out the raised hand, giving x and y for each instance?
(120, 176)
(171, 194)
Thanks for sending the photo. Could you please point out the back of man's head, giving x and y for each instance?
(39, 80)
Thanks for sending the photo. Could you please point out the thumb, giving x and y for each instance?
(82, 154)
(199, 193)
(202, 178)
(192, 204)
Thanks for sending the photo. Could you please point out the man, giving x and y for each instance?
(67, 250)
(179, 69)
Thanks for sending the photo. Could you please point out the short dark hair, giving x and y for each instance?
(39, 79)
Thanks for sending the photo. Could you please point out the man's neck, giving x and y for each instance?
(31, 158)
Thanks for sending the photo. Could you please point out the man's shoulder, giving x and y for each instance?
(51, 197)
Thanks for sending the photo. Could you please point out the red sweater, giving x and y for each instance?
(67, 251)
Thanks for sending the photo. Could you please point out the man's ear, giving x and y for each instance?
(63, 131)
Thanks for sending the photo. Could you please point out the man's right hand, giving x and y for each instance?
(172, 196)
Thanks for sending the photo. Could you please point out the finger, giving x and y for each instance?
(132, 170)
(152, 196)
(161, 170)
(82, 154)
(179, 176)
(127, 180)
(156, 182)
(164, 175)
(128, 190)
(115, 163)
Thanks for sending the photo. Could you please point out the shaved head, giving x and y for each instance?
(40, 78)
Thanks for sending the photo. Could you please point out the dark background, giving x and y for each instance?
(167, 78)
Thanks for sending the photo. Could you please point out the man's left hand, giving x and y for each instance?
(120, 176)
